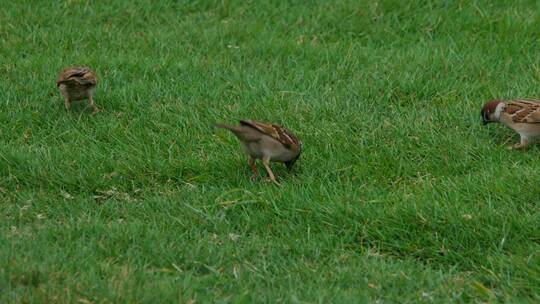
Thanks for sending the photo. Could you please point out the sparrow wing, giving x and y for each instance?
(279, 133)
(81, 75)
(524, 110)
(534, 117)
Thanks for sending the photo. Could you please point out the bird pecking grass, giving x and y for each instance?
(400, 194)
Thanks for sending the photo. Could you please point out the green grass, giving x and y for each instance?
(400, 195)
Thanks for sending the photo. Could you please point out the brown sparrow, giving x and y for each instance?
(267, 142)
(521, 115)
(77, 83)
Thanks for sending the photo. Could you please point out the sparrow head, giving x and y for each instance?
(488, 111)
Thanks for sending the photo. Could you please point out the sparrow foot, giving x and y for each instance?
(275, 182)
(517, 147)
(96, 110)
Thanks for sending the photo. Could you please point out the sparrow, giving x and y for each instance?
(77, 83)
(267, 142)
(521, 115)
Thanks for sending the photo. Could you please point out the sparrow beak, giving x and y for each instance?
(290, 163)
(485, 118)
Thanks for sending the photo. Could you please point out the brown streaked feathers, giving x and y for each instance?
(77, 75)
(523, 110)
(279, 133)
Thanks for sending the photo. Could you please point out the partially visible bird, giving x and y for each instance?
(267, 142)
(521, 115)
(77, 83)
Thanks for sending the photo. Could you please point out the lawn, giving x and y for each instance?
(401, 195)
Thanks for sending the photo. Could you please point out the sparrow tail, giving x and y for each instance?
(235, 129)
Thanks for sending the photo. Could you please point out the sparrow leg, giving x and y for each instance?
(65, 94)
(266, 162)
(67, 103)
(91, 104)
(524, 143)
(253, 167)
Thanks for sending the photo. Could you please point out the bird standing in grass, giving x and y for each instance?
(521, 115)
(77, 83)
(267, 142)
